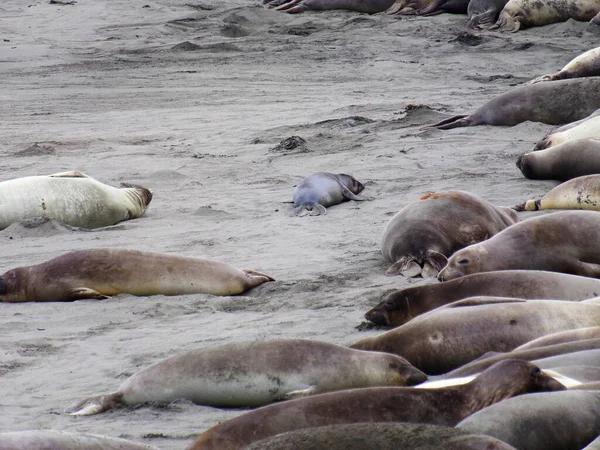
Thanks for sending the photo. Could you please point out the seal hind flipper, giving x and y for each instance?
(311, 390)
(96, 405)
(482, 21)
(434, 262)
(255, 273)
(313, 209)
(86, 293)
(350, 195)
(72, 174)
(462, 120)
(396, 7)
(406, 266)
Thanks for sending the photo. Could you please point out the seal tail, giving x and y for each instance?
(95, 405)
(453, 122)
(145, 193)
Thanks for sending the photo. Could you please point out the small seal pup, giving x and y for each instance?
(587, 129)
(72, 198)
(562, 162)
(585, 65)
(567, 420)
(565, 241)
(246, 374)
(298, 6)
(484, 13)
(578, 193)
(102, 272)
(453, 335)
(324, 189)
(418, 239)
(403, 305)
(64, 440)
(519, 14)
(379, 436)
(444, 406)
(555, 103)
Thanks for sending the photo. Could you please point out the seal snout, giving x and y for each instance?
(416, 377)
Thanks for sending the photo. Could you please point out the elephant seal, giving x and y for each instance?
(379, 436)
(567, 420)
(484, 13)
(72, 198)
(255, 373)
(578, 193)
(437, 342)
(298, 6)
(555, 103)
(403, 305)
(102, 272)
(585, 65)
(519, 14)
(562, 162)
(324, 189)
(561, 337)
(587, 129)
(445, 406)
(418, 239)
(564, 241)
(64, 440)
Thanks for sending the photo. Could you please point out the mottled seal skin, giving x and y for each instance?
(484, 13)
(567, 420)
(102, 272)
(578, 193)
(298, 6)
(553, 103)
(519, 14)
(418, 239)
(565, 241)
(428, 7)
(561, 337)
(72, 198)
(445, 406)
(585, 65)
(323, 189)
(562, 162)
(453, 335)
(380, 436)
(64, 440)
(586, 129)
(403, 305)
(255, 373)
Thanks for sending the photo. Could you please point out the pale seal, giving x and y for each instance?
(72, 198)
(562, 162)
(553, 103)
(379, 436)
(561, 337)
(453, 335)
(567, 420)
(445, 406)
(255, 373)
(418, 239)
(484, 13)
(298, 6)
(586, 129)
(577, 193)
(324, 189)
(565, 241)
(103, 272)
(585, 65)
(64, 440)
(403, 305)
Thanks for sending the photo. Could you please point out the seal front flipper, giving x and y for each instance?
(434, 262)
(406, 266)
(311, 390)
(462, 120)
(85, 293)
(96, 405)
(350, 195)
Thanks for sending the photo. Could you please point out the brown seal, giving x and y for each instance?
(403, 305)
(444, 406)
(565, 241)
(419, 238)
(577, 334)
(102, 272)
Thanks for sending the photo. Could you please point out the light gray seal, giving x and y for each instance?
(324, 189)
(298, 6)
(585, 65)
(255, 373)
(64, 440)
(565, 241)
(553, 103)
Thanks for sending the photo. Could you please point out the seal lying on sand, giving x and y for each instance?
(298, 6)
(255, 373)
(554, 103)
(585, 65)
(562, 162)
(401, 306)
(561, 337)
(64, 440)
(428, 7)
(566, 241)
(103, 272)
(587, 129)
(578, 193)
(453, 335)
(484, 13)
(72, 198)
(445, 406)
(420, 237)
(567, 420)
(324, 189)
(534, 13)
(379, 436)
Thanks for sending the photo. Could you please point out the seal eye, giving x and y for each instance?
(535, 371)
(463, 262)
(390, 304)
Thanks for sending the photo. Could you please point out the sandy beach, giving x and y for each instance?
(193, 100)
